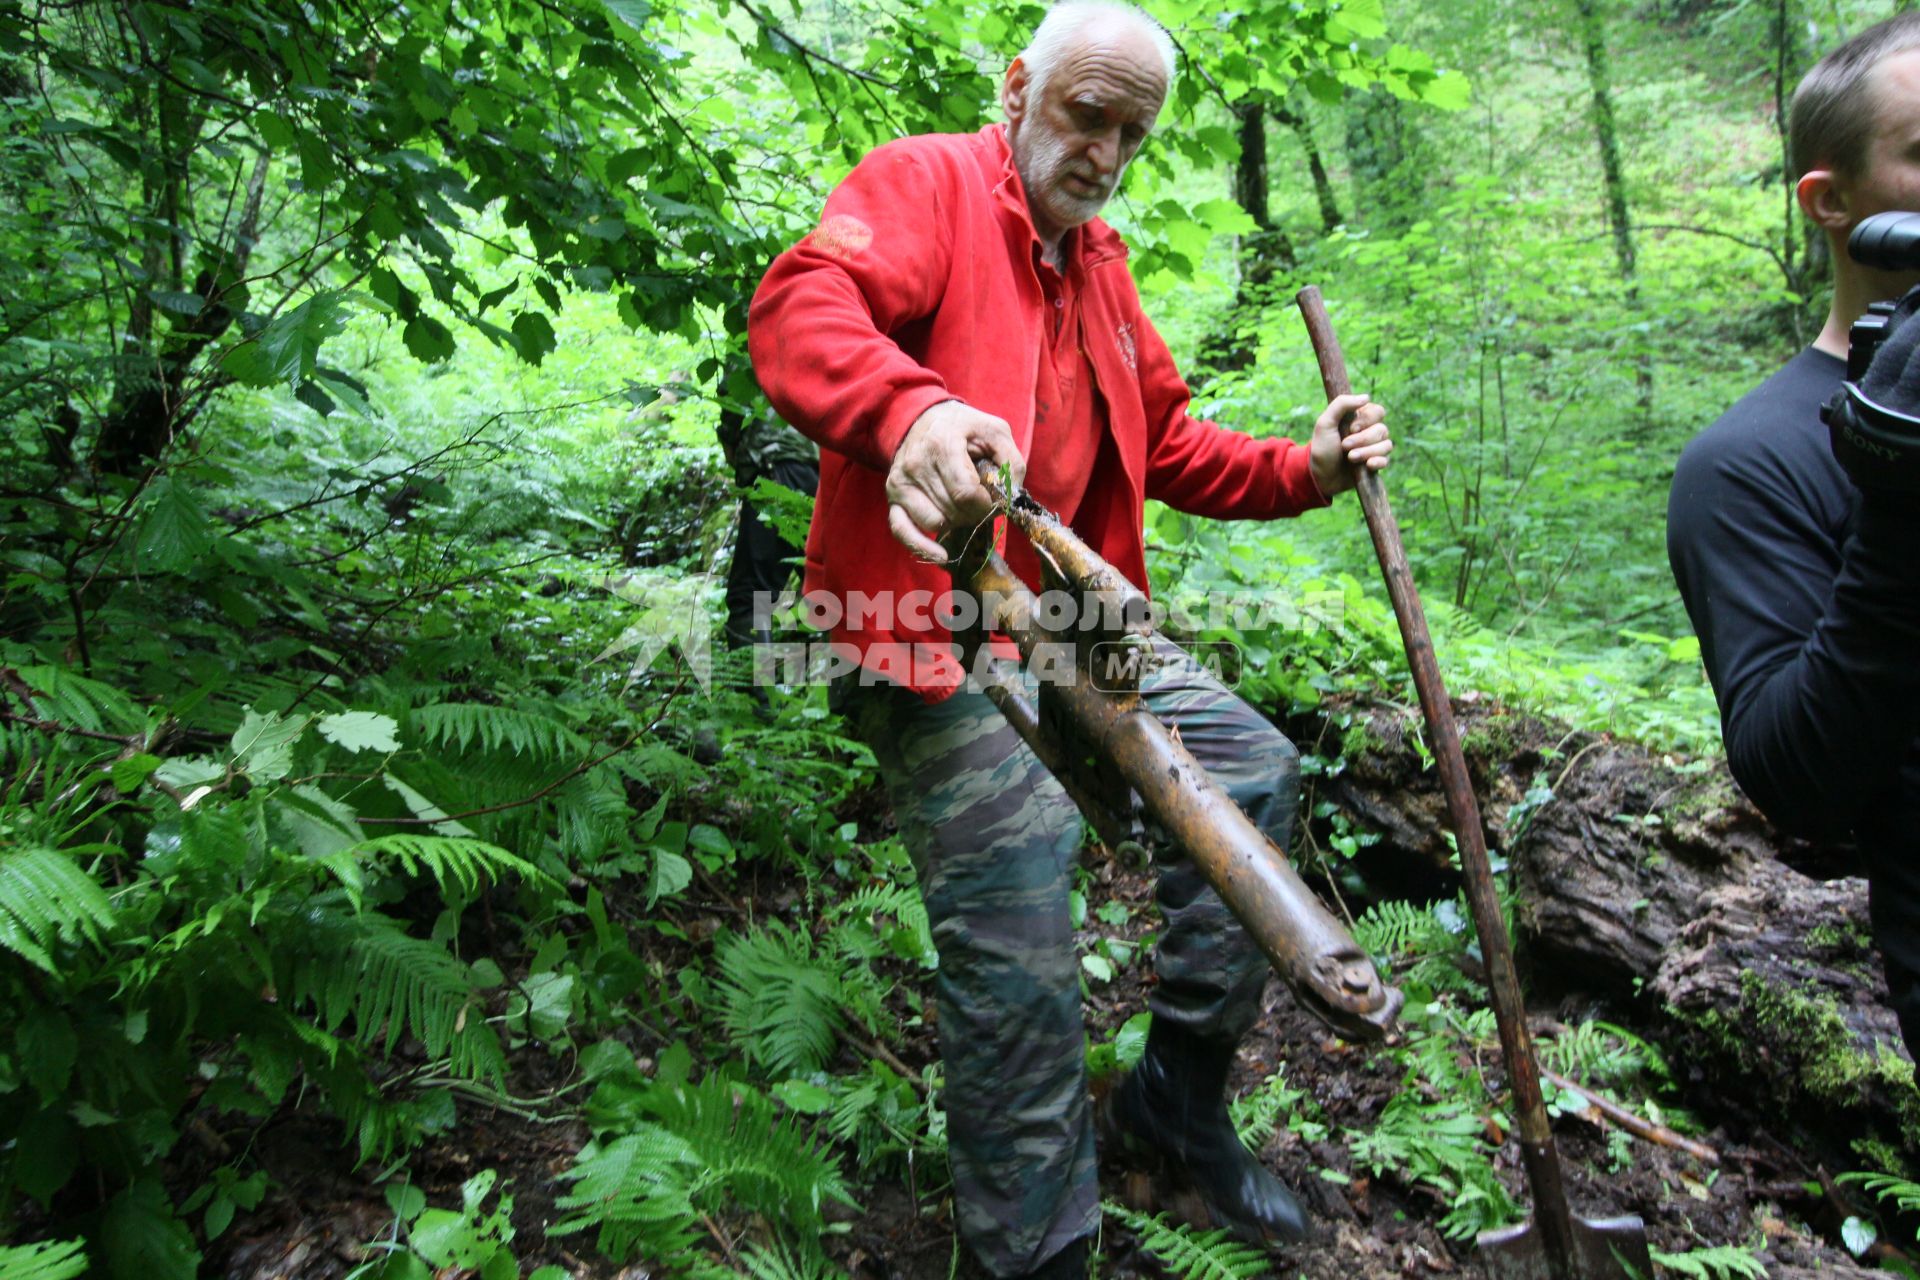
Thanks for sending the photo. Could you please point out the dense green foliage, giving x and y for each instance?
(345, 772)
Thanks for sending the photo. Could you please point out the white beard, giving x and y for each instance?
(1042, 159)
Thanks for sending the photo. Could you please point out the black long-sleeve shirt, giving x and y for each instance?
(1806, 599)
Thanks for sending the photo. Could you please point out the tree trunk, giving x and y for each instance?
(149, 406)
(1330, 217)
(1613, 176)
(1264, 253)
(1653, 882)
(1607, 135)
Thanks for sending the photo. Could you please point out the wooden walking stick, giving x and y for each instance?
(1560, 1245)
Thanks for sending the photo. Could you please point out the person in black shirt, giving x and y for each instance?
(1804, 586)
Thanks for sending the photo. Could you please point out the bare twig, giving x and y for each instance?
(1639, 1126)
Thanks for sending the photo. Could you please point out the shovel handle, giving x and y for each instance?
(1510, 1011)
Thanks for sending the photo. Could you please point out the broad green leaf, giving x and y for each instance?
(1225, 218)
(284, 353)
(263, 744)
(176, 531)
(361, 731)
(550, 1004)
(669, 875)
(142, 1239)
(428, 339)
(425, 808)
(1361, 19)
(320, 824)
(533, 336)
(1450, 91)
(129, 773)
(799, 1095)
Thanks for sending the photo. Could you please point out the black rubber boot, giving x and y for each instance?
(1068, 1264)
(1171, 1111)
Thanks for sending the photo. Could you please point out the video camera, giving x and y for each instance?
(1878, 445)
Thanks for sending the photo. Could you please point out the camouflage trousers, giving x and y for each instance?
(994, 839)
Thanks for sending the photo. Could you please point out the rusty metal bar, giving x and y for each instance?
(1311, 950)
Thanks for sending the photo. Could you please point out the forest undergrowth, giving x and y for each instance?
(397, 881)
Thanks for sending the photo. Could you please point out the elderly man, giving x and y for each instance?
(959, 301)
(1802, 581)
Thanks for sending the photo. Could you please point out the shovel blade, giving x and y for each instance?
(1607, 1249)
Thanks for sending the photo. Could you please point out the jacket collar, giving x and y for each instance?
(1098, 242)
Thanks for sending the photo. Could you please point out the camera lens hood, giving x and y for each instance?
(1878, 446)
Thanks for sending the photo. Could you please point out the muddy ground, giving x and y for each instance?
(322, 1212)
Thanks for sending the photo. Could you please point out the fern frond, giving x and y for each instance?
(1190, 1254)
(1721, 1262)
(876, 902)
(779, 1263)
(1258, 1114)
(80, 703)
(1442, 1145)
(595, 821)
(453, 862)
(467, 725)
(1904, 1192)
(365, 967)
(756, 1158)
(638, 1191)
(782, 1004)
(53, 1260)
(44, 899)
(1602, 1053)
(1393, 927)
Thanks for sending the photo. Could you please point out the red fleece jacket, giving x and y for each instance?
(918, 286)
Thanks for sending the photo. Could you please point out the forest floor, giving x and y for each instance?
(323, 1213)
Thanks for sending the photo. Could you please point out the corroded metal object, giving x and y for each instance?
(1098, 738)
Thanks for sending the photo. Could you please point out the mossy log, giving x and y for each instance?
(1651, 882)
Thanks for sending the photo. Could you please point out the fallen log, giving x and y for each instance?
(1650, 881)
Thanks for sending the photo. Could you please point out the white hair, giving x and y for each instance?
(1068, 20)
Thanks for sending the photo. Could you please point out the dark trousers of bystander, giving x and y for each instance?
(763, 563)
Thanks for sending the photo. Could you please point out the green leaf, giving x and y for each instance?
(49, 1260)
(46, 1154)
(425, 808)
(807, 1099)
(549, 1004)
(633, 13)
(275, 131)
(428, 339)
(176, 532)
(533, 336)
(1363, 19)
(143, 1239)
(669, 875)
(179, 303)
(129, 773)
(286, 351)
(263, 744)
(1130, 1042)
(1449, 91)
(361, 731)
(1097, 967)
(320, 825)
(1225, 218)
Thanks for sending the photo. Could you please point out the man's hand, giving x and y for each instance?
(934, 485)
(1336, 462)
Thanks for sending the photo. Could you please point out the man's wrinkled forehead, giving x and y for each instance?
(1113, 71)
